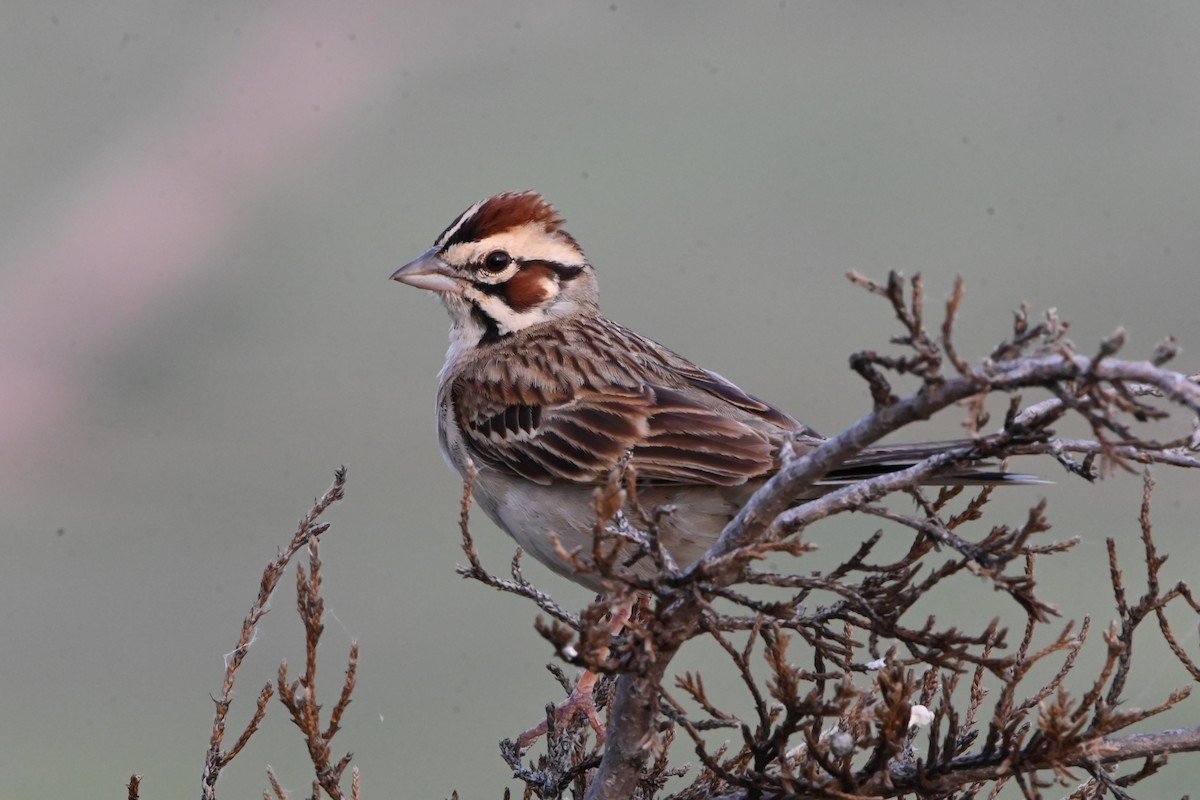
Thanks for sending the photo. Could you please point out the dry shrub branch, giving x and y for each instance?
(851, 691)
(851, 688)
(299, 697)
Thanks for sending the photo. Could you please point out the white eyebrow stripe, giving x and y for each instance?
(527, 242)
(453, 229)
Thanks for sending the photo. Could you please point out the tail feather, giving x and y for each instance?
(886, 459)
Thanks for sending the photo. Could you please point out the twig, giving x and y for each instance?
(299, 697)
(307, 531)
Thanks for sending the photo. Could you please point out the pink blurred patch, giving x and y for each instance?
(137, 236)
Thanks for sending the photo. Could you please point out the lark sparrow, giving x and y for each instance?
(545, 396)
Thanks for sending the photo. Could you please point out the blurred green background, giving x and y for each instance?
(203, 203)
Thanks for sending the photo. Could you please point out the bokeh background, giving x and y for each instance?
(202, 204)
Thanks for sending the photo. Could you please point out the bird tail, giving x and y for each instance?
(889, 458)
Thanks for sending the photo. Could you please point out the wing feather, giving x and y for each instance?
(567, 406)
(671, 436)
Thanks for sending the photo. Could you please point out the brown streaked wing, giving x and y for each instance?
(581, 439)
(691, 375)
(714, 384)
(689, 442)
(567, 403)
(578, 438)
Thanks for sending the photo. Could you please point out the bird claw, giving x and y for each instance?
(582, 700)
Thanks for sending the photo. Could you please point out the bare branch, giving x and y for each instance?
(307, 531)
(1103, 390)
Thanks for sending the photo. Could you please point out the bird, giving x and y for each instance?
(542, 397)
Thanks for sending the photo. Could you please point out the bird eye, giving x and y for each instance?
(496, 261)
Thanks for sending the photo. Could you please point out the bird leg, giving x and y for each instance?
(581, 699)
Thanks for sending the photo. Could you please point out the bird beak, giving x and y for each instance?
(428, 272)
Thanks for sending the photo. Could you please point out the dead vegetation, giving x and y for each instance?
(851, 687)
(852, 692)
